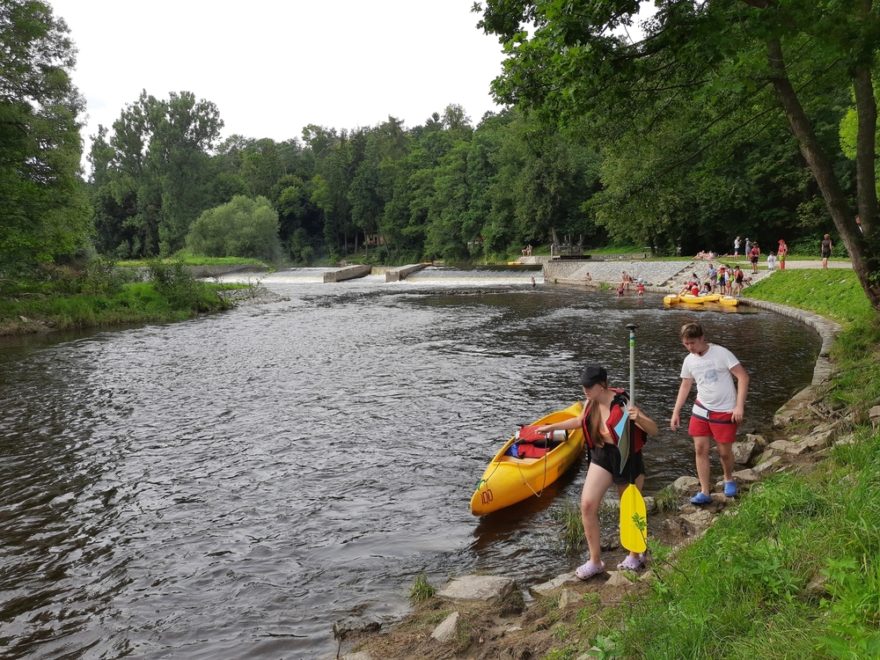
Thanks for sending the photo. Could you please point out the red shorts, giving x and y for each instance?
(717, 425)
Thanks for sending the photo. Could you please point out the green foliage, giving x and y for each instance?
(43, 208)
(177, 285)
(421, 590)
(152, 176)
(75, 306)
(243, 227)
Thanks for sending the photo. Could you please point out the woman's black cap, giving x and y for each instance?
(592, 375)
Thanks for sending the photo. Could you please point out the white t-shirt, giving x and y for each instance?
(711, 372)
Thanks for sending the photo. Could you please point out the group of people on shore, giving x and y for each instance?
(777, 258)
(718, 409)
(726, 280)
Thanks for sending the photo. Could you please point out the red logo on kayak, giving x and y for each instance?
(486, 496)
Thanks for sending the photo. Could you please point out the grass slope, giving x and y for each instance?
(796, 572)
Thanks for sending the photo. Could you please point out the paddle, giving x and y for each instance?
(633, 513)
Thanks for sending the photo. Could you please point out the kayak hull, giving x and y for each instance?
(508, 480)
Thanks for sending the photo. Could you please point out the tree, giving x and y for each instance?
(43, 208)
(158, 178)
(573, 63)
(242, 228)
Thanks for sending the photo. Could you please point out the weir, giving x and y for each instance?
(347, 273)
(397, 274)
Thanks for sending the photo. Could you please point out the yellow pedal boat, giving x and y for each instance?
(689, 299)
(508, 480)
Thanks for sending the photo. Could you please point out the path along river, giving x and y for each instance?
(231, 486)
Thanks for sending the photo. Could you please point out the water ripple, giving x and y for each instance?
(232, 485)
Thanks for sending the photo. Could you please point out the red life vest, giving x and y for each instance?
(638, 437)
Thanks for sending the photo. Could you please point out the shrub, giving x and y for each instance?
(242, 228)
(180, 288)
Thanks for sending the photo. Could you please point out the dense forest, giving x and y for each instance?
(742, 117)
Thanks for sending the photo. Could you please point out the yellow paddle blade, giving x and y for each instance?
(633, 520)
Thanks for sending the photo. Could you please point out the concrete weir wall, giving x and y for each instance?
(594, 272)
(398, 274)
(347, 273)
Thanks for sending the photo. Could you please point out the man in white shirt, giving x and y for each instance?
(719, 406)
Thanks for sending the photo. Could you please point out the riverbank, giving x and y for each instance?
(103, 296)
(761, 583)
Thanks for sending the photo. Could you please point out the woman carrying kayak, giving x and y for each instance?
(603, 410)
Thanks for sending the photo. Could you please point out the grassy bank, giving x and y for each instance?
(197, 260)
(101, 297)
(796, 572)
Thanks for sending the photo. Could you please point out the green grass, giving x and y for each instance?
(834, 293)
(796, 572)
(745, 591)
(101, 295)
(134, 303)
(421, 590)
(195, 260)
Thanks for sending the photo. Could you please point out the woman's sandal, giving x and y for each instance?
(631, 563)
(589, 570)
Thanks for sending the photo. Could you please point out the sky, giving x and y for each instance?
(274, 66)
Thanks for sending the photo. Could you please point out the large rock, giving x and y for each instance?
(782, 446)
(479, 587)
(818, 440)
(698, 520)
(618, 579)
(874, 416)
(747, 476)
(447, 630)
(768, 465)
(686, 485)
(794, 408)
(546, 588)
(743, 451)
(566, 598)
(757, 438)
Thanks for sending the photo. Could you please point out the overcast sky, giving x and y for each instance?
(274, 66)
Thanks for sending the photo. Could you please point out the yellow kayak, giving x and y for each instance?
(508, 480)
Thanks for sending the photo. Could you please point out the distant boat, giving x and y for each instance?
(690, 299)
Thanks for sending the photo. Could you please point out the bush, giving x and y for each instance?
(176, 283)
(103, 277)
(242, 228)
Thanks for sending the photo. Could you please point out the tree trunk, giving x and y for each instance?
(864, 262)
(866, 108)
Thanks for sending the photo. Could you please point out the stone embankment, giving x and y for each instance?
(479, 616)
(658, 276)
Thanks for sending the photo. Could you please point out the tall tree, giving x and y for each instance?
(569, 59)
(43, 208)
(160, 160)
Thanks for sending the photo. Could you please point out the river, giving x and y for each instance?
(233, 485)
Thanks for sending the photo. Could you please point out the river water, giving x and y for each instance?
(231, 486)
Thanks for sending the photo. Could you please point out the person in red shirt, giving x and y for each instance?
(754, 253)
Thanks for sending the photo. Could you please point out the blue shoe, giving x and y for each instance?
(701, 498)
(730, 489)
